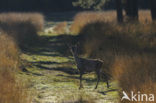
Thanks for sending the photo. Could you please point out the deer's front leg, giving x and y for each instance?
(81, 86)
(98, 79)
(107, 84)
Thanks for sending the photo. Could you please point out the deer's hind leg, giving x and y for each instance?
(81, 85)
(107, 83)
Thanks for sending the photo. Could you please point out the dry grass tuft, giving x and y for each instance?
(9, 54)
(61, 28)
(145, 16)
(12, 90)
(36, 19)
(136, 73)
(23, 27)
(83, 18)
(100, 38)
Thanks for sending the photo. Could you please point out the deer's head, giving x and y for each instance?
(73, 49)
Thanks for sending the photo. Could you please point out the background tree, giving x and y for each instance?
(99, 4)
(131, 8)
(153, 9)
(119, 10)
(90, 4)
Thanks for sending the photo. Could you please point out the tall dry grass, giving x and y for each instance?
(84, 18)
(12, 90)
(23, 27)
(145, 16)
(36, 19)
(103, 37)
(61, 28)
(9, 54)
(127, 49)
(136, 73)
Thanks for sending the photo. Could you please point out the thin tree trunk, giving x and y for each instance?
(128, 7)
(135, 9)
(153, 9)
(132, 9)
(119, 11)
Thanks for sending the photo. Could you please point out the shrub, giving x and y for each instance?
(12, 89)
(23, 27)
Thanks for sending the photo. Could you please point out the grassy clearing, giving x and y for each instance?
(54, 75)
(51, 69)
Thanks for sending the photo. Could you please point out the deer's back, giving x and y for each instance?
(89, 65)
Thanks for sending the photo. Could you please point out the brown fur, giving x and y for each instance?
(87, 65)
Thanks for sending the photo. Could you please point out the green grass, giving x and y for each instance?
(53, 75)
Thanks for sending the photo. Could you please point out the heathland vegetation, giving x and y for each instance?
(12, 88)
(31, 58)
(128, 49)
(17, 30)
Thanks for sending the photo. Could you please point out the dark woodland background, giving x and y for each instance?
(53, 5)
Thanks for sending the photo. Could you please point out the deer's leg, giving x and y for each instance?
(107, 84)
(98, 79)
(81, 86)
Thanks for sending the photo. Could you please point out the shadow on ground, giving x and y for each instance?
(50, 44)
(53, 46)
(107, 91)
(67, 70)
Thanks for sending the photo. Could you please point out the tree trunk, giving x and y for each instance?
(119, 11)
(135, 9)
(131, 8)
(153, 9)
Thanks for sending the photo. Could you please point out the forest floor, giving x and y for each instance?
(54, 78)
